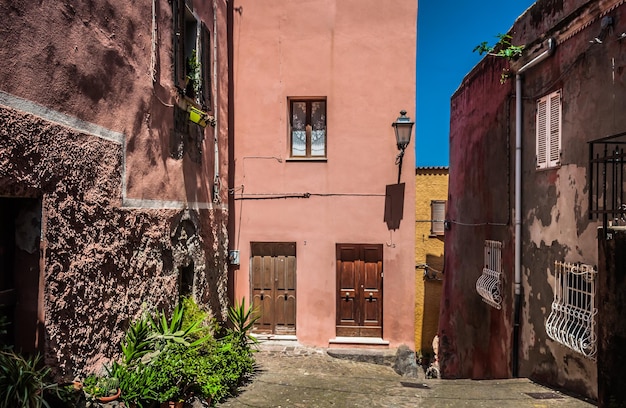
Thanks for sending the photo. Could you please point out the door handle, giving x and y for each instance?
(347, 296)
(262, 295)
(371, 295)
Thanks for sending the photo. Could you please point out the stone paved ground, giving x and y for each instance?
(299, 377)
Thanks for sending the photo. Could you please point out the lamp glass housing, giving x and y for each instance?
(403, 128)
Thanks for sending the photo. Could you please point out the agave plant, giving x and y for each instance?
(243, 319)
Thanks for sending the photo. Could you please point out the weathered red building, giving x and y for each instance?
(526, 291)
(111, 198)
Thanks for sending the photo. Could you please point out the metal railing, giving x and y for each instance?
(606, 180)
(489, 284)
(572, 317)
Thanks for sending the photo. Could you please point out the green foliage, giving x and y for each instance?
(195, 315)
(136, 343)
(97, 387)
(24, 384)
(167, 358)
(193, 75)
(134, 382)
(503, 48)
(243, 319)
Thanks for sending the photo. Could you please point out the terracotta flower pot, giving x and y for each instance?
(111, 397)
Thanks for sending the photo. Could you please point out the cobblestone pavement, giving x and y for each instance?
(303, 377)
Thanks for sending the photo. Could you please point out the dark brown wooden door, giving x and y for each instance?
(273, 284)
(359, 290)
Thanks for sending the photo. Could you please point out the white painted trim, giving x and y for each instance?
(43, 112)
(373, 341)
(35, 109)
(274, 337)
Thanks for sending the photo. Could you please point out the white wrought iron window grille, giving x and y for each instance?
(489, 284)
(572, 319)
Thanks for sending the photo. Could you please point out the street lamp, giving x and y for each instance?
(403, 128)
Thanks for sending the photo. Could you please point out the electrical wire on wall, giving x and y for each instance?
(430, 273)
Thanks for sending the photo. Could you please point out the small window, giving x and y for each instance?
(307, 127)
(438, 214)
(572, 319)
(549, 131)
(192, 51)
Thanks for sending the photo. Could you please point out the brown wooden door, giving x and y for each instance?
(273, 285)
(359, 290)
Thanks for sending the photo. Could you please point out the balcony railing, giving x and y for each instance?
(607, 199)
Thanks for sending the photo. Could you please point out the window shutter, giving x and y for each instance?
(178, 11)
(205, 55)
(555, 130)
(542, 133)
(438, 213)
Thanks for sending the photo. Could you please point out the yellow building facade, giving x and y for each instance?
(431, 193)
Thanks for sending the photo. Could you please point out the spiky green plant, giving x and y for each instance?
(22, 382)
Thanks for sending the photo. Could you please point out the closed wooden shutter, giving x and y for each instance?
(178, 11)
(438, 213)
(555, 130)
(542, 133)
(548, 140)
(205, 65)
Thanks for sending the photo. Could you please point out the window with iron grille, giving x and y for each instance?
(548, 138)
(438, 215)
(489, 284)
(572, 318)
(307, 128)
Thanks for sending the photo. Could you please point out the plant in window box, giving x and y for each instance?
(192, 80)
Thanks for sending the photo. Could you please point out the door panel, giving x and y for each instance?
(262, 292)
(359, 290)
(273, 285)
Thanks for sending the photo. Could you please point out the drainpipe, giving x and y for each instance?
(518, 200)
(216, 157)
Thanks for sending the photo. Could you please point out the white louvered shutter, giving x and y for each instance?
(555, 130)
(438, 213)
(542, 133)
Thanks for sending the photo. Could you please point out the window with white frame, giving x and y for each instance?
(438, 215)
(549, 131)
(489, 284)
(572, 318)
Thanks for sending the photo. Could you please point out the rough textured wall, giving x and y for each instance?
(102, 263)
(555, 224)
(96, 60)
(430, 184)
(611, 323)
(475, 338)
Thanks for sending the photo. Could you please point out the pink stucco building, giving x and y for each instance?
(111, 199)
(317, 85)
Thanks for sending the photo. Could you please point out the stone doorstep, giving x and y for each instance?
(379, 356)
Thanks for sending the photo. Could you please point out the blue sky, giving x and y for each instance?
(447, 32)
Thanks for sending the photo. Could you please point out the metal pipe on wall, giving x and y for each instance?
(518, 200)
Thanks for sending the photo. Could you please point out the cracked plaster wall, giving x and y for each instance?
(555, 223)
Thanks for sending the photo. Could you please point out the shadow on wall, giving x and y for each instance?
(433, 279)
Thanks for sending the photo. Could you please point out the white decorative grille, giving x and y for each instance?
(572, 319)
(489, 285)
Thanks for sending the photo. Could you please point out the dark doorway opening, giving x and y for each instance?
(20, 231)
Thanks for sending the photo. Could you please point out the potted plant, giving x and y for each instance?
(101, 389)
